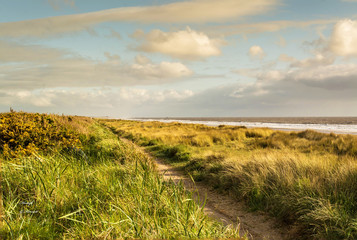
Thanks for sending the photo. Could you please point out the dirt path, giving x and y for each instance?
(258, 226)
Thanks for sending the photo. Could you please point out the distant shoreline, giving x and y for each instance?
(324, 125)
(292, 120)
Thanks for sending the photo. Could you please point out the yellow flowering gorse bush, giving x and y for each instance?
(25, 133)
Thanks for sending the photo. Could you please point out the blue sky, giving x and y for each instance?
(159, 58)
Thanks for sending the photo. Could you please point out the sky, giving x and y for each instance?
(175, 58)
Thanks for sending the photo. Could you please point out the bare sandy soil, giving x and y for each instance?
(223, 208)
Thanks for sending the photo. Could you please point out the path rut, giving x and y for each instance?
(257, 226)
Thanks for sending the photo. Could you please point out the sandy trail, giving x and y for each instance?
(223, 208)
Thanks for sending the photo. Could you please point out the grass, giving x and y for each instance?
(307, 179)
(104, 189)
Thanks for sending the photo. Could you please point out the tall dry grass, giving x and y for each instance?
(104, 189)
(308, 179)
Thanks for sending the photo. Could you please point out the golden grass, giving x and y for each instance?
(305, 178)
(106, 189)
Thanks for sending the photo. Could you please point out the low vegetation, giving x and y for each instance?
(67, 177)
(26, 133)
(306, 179)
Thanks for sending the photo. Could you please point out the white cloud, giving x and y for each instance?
(270, 76)
(13, 52)
(318, 60)
(260, 27)
(162, 70)
(332, 77)
(284, 98)
(139, 96)
(184, 44)
(326, 90)
(142, 60)
(321, 91)
(247, 72)
(194, 11)
(92, 101)
(343, 40)
(113, 58)
(34, 67)
(27, 97)
(256, 52)
(286, 58)
(84, 72)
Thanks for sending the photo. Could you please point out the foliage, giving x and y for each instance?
(26, 133)
(110, 192)
(307, 178)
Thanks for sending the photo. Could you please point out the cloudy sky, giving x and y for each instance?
(171, 58)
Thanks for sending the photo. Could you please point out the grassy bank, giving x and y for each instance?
(71, 178)
(307, 179)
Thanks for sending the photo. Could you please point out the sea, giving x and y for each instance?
(338, 125)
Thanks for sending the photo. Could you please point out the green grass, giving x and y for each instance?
(306, 179)
(106, 190)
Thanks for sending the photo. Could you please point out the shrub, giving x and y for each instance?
(26, 133)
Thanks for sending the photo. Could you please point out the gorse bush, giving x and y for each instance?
(26, 133)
